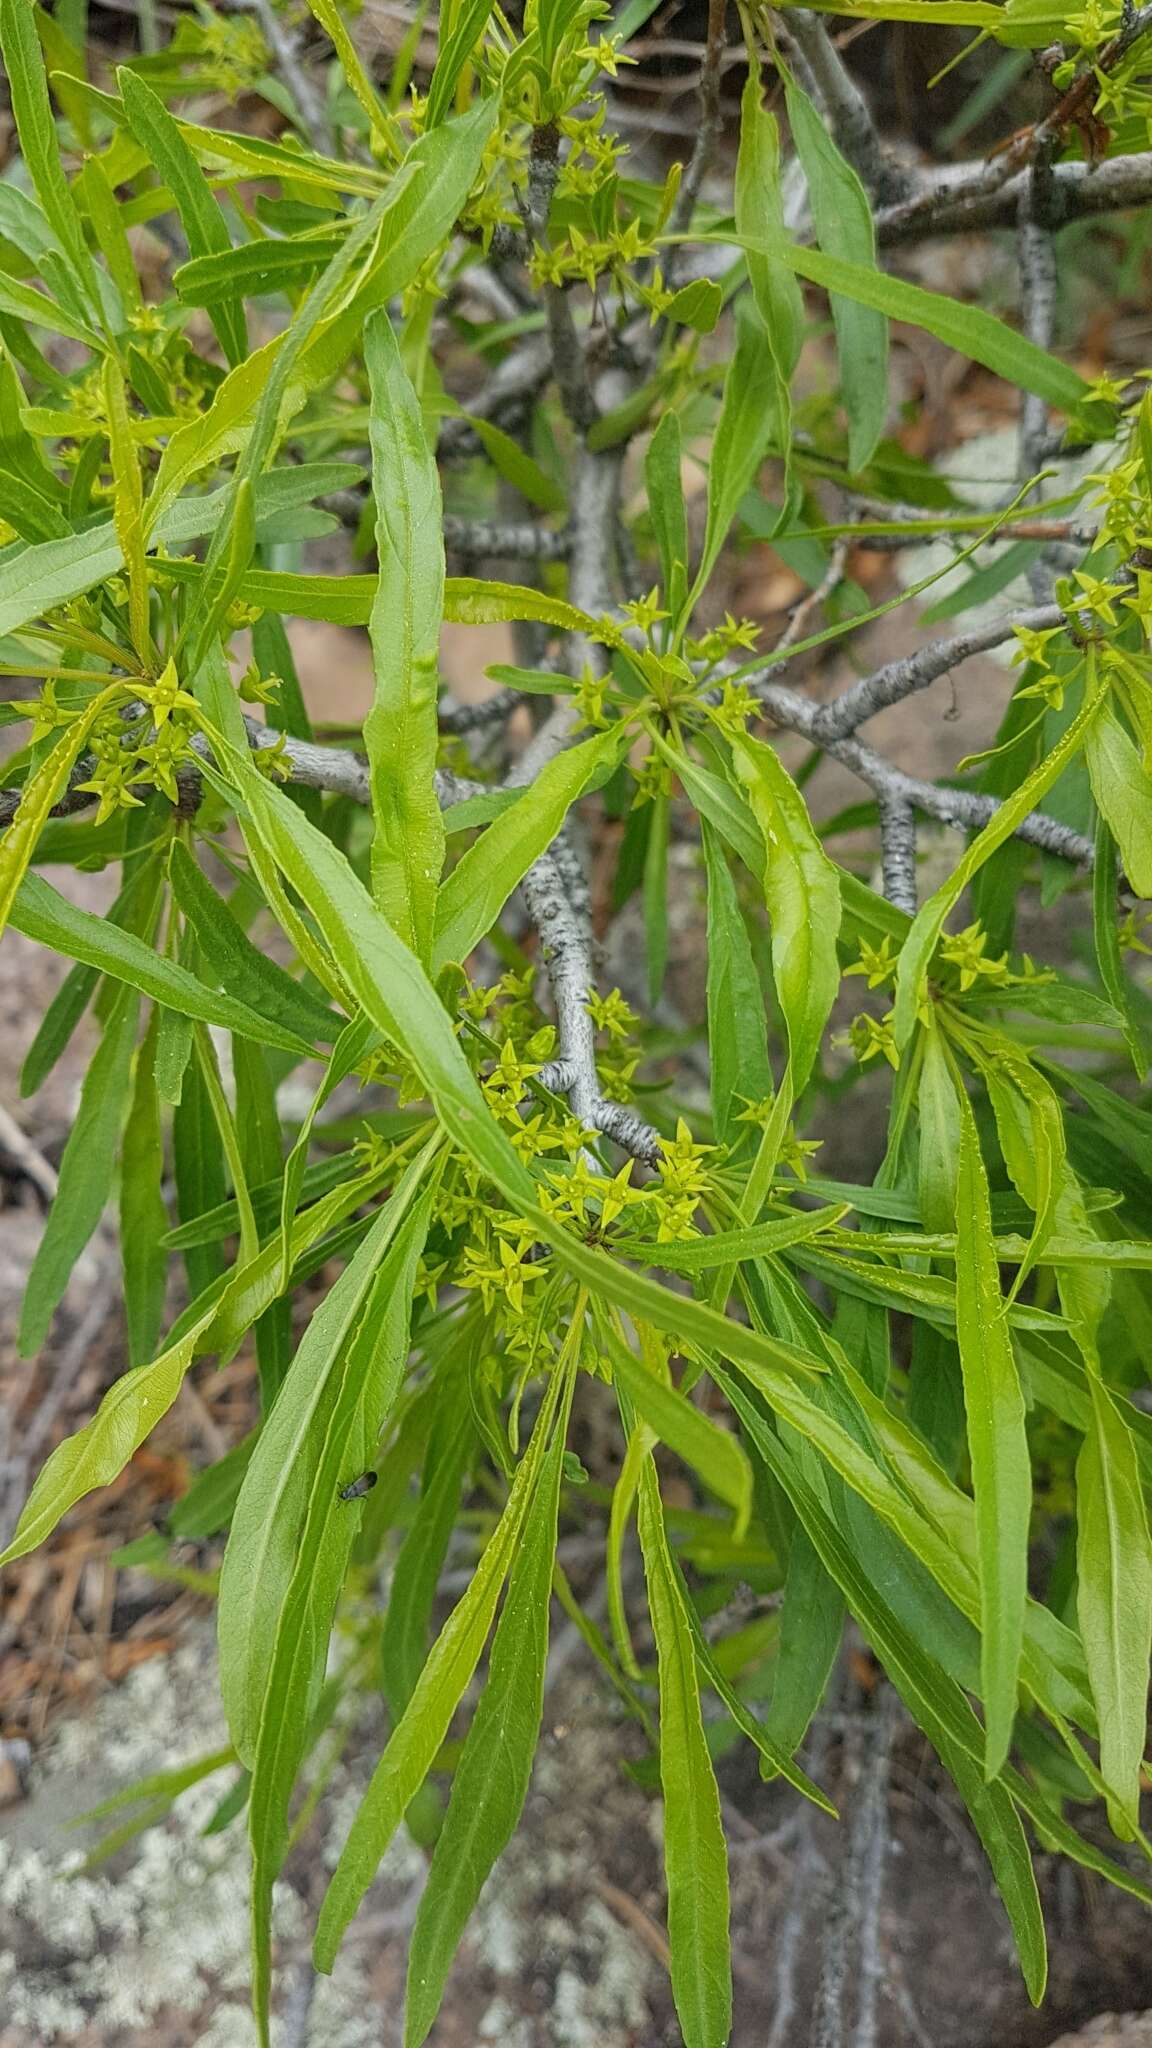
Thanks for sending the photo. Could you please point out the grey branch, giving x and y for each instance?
(900, 679)
(845, 106)
(959, 200)
(708, 133)
(852, 1924)
(282, 44)
(488, 540)
(967, 808)
(478, 540)
(898, 852)
(1038, 304)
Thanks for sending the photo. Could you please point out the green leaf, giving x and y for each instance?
(939, 1116)
(139, 1398)
(248, 975)
(360, 1385)
(1109, 959)
(401, 730)
(281, 1478)
(997, 1445)
(976, 334)
(750, 421)
(41, 913)
(1114, 1599)
(844, 228)
(711, 1451)
(143, 1217)
(43, 789)
(655, 894)
(86, 1172)
(1123, 795)
(420, 1559)
(355, 74)
(737, 1034)
(760, 220)
(802, 892)
(666, 509)
(32, 112)
(415, 1741)
(928, 923)
(457, 43)
(935, 1700)
(516, 466)
(725, 1247)
(483, 879)
(811, 1634)
(98, 1453)
(697, 305)
(486, 1802)
(257, 269)
(695, 1853)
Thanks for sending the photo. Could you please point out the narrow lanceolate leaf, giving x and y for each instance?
(929, 921)
(802, 891)
(457, 45)
(933, 1697)
(400, 730)
(143, 1217)
(748, 425)
(760, 219)
(41, 913)
(714, 1453)
(1123, 795)
(695, 1854)
(415, 1741)
(737, 1030)
(278, 1485)
(40, 792)
(482, 881)
(493, 1774)
(345, 1432)
(844, 228)
(247, 974)
(997, 1445)
(36, 128)
(971, 330)
(1114, 1599)
(86, 1172)
(98, 1453)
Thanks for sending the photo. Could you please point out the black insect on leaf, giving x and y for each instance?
(357, 1488)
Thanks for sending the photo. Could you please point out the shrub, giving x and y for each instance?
(897, 1394)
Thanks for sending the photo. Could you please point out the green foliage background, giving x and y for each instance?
(858, 1378)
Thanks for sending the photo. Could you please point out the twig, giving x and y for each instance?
(476, 539)
(708, 133)
(958, 201)
(295, 2023)
(282, 44)
(494, 710)
(898, 852)
(850, 120)
(978, 196)
(833, 574)
(1038, 304)
(24, 1153)
(967, 808)
(900, 679)
(852, 1925)
(868, 1854)
(489, 539)
(566, 946)
(808, 1870)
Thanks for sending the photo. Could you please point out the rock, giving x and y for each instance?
(1112, 2030)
